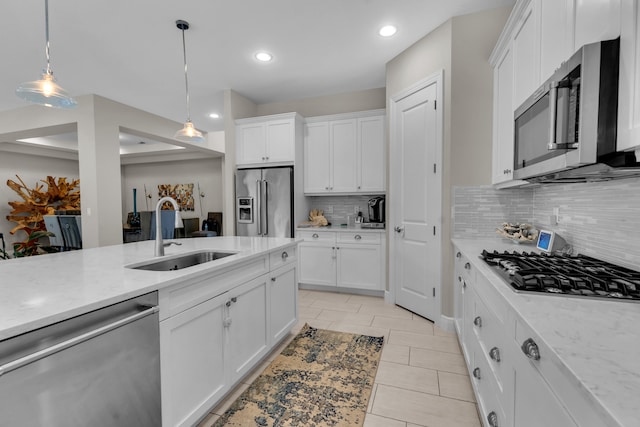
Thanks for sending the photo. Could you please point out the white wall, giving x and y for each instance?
(31, 169)
(206, 172)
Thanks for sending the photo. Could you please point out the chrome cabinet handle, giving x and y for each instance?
(458, 255)
(228, 303)
(357, 237)
(494, 353)
(459, 278)
(478, 322)
(467, 266)
(492, 418)
(315, 235)
(234, 300)
(464, 285)
(530, 349)
(273, 279)
(476, 373)
(285, 256)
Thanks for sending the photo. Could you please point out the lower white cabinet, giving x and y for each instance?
(208, 346)
(345, 259)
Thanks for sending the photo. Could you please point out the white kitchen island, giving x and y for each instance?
(217, 319)
(588, 371)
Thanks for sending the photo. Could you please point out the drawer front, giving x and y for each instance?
(464, 267)
(317, 236)
(283, 257)
(489, 332)
(487, 391)
(360, 238)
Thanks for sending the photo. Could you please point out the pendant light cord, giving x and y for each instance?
(186, 81)
(46, 30)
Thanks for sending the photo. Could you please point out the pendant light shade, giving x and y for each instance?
(188, 133)
(46, 91)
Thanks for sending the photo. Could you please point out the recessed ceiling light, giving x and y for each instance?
(264, 56)
(214, 115)
(387, 31)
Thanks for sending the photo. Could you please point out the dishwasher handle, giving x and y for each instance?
(41, 354)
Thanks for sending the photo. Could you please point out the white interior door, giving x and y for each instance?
(415, 198)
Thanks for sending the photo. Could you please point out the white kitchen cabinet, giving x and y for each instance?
(556, 36)
(283, 301)
(349, 259)
(503, 123)
(595, 21)
(526, 54)
(248, 330)
(629, 89)
(268, 140)
(344, 154)
(193, 361)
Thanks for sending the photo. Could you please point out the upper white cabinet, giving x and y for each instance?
(595, 21)
(526, 54)
(629, 90)
(556, 38)
(344, 154)
(268, 140)
(502, 167)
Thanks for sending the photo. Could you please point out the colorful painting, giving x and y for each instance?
(182, 193)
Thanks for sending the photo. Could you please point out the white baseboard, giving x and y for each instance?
(446, 323)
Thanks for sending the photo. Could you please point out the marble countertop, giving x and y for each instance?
(595, 342)
(38, 291)
(335, 228)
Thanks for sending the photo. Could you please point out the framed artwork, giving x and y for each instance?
(182, 193)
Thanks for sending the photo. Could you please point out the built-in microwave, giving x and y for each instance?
(571, 120)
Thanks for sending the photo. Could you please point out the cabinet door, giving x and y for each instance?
(317, 264)
(556, 38)
(629, 90)
(503, 121)
(280, 141)
(250, 143)
(317, 158)
(342, 134)
(248, 330)
(595, 21)
(359, 266)
(283, 302)
(526, 55)
(371, 155)
(192, 362)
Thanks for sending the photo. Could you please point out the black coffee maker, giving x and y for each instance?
(376, 209)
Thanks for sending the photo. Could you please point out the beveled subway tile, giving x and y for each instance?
(408, 377)
(345, 316)
(377, 421)
(423, 408)
(431, 342)
(336, 305)
(438, 360)
(386, 310)
(408, 325)
(396, 353)
(456, 386)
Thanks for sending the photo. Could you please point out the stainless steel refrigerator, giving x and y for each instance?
(264, 202)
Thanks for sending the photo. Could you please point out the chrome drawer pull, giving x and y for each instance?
(478, 322)
(464, 285)
(315, 235)
(494, 353)
(458, 255)
(530, 348)
(467, 266)
(285, 256)
(476, 373)
(493, 419)
(357, 237)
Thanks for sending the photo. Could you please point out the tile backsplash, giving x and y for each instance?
(598, 219)
(337, 209)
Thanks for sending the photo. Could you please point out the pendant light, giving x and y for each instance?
(46, 91)
(188, 133)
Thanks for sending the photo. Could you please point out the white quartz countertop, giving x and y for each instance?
(335, 228)
(597, 342)
(37, 291)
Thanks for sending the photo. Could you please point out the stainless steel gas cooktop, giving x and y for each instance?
(566, 275)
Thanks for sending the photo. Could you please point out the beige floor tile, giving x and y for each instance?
(314, 323)
(367, 300)
(345, 316)
(309, 312)
(337, 306)
(329, 296)
(408, 377)
(424, 409)
(359, 329)
(409, 325)
(376, 421)
(209, 420)
(396, 353)
(438, 360)
(432, 342)
(386, 310)
(372, 397)
(231, 397)
(456, 386)
(443, 333)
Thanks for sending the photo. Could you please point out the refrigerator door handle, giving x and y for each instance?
(258, 212)
(266, 207)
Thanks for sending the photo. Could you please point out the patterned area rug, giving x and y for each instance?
(322, 378)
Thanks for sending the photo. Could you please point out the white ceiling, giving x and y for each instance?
(131, 51)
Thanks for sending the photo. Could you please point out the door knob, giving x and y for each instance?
(399, 229)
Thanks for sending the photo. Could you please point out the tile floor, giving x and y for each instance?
(422, 380)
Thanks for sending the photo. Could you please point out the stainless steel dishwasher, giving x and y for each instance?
(98, 369)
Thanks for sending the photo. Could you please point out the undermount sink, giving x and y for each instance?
(181, 261)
